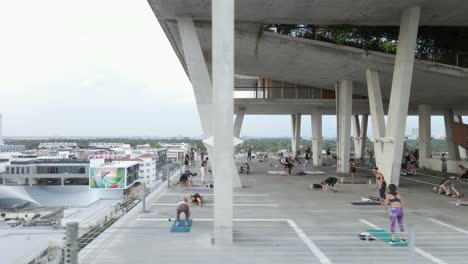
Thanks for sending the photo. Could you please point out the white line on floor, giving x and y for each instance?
(210, 204)
(311, 245)
(406, 178)
(449, 226)
(368, 223)
(211, 194)
(210, 219)
(416, 249)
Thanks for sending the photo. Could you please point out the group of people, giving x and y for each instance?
(184, 207)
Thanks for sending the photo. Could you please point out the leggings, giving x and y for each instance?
(396, 213)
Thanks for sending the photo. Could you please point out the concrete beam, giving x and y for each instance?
(317, 138)
(400, 95)
(344, 94)
(453, 151)
(223, 110)
(360, 135)
(293, 135)
(463, 151)
(297, 133)
(238, 122)
(425, 150)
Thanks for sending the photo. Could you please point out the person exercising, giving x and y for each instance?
(196, 197)
(182, 207)
(396, 212)
(185, 179)
(380, 184)
(329, 183)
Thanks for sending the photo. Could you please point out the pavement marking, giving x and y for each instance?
(210, 204)
(449, 226)
(306, 172)
(368, 223)
(211, 194)
(416, 249)
(406, 178)
(311, 245)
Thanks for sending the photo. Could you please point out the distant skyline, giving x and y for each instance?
(105, 69)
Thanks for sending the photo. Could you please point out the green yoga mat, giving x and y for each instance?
(386, 237)
(182, 228)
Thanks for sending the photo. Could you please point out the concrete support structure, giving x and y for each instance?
(238, 122)
(463, 151)
(223, 111)
(317, 138)
(297, 133)
(360, 135)
(201, 82)
(344, 97)
(377, 113)
(453, 151)
(425, 150)
(293, 133)
(400, 95)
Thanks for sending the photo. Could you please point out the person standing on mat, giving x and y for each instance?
(329, 183)
(396, 212)
(186, 162)
(308, 156)
(380, 184)
(183, 207)
(444, 164)
(203, 168)
(352, 169)
(249, 154)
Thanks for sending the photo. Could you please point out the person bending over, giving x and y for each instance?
(185, 179)
(196, 197)
(329, 183)
(396, 212)
(448, 185)
(182, 207)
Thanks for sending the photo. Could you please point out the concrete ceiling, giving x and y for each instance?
(361, 12)
(320, 64)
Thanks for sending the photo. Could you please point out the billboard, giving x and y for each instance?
(107, 178)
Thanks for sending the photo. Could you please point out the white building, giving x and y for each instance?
(148, 170)
(176, 150)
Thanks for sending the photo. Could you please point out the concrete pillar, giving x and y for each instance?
(344, 97)
(377, 113)
(201, 82)
(238, 122)
(62, 181)
(400, 93)
(317, 138)
(453, 152)
(360, 134)
(297, 134)
(223, 110)
(293, 137)
(425, 150)
(463, 151)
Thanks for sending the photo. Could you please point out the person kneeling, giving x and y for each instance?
(196, 198)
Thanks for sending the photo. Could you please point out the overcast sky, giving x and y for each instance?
(103, 68)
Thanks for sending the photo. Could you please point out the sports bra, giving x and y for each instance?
(395, 199)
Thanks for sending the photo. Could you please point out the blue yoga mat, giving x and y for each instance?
(386, 237)
(182, 228)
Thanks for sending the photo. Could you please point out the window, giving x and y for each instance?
(17, 170)
(22, 170)
(27, 170)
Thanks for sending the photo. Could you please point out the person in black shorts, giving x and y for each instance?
(329, 183)
(352, 169)
(185, 179)
(196, 197)
(380, 183)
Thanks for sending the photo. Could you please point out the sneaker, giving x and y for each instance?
(392, 242)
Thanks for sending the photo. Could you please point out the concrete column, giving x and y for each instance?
(62, 181)
(238, 122)
(344, 97)
(223, 110)
(377, 113)
(463, 151)
(201, 82)
(360, 134)
(453, 152)
(297, 134)
(293, 137)
(317, 138)
(400, 93)
(425, 150)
